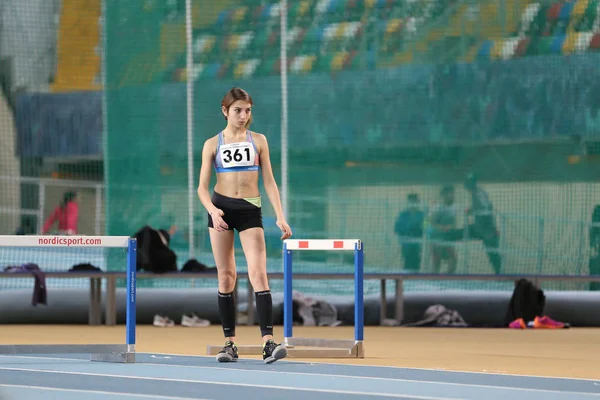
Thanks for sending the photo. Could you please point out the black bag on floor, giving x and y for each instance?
(153, 252)
(527, 302)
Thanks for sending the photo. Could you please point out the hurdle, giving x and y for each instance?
(113, 353)
(316, 347)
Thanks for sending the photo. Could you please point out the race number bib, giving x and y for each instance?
(237, 154)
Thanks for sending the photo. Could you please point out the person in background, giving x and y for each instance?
(443, 224)
(409, 228)
(484, 224)
(66, 215)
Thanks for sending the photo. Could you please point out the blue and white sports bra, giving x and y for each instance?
(236, 157)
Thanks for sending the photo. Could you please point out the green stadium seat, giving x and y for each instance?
(354, 62)
(260, 40)
(589, 16)
(255, 13)
(355, 9)
(315, 34)
(538, 23)
(324, 63)
(253, 3)
(592, 8)
(586, 23)
(267, 67)
(545, 45)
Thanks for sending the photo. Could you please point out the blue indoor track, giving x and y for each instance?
(161, 376)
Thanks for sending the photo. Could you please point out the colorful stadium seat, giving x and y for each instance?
(329, 35)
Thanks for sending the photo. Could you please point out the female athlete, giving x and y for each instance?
(237, 154)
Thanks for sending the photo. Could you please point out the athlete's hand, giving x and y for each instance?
(217, 220)
(285, 229)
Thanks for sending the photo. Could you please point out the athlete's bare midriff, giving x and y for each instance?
(241, 184)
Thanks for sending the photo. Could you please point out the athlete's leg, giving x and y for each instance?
(253, 243)
(223, 252)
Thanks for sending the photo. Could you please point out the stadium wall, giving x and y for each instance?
(34, 57)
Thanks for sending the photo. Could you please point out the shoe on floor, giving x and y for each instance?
(229, 353)
(548, 323)
(163, 321)
(193, 321)
(518, 324)
(273, 352)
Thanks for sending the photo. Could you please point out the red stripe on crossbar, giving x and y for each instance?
(303, 244)
(337, 244)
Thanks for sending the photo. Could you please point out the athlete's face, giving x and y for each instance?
(239, 113)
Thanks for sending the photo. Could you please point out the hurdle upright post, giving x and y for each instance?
(130, 322)
(127, 356)
(359, 309)
(287, 292)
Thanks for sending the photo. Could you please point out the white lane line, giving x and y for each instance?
(145, 396)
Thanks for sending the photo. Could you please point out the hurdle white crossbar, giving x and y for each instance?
(316, 347)
(116, 353)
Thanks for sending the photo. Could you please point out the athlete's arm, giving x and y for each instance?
(205, 170)
(269, 179)
(271, 186)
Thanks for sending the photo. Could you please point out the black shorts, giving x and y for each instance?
(239, 213)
